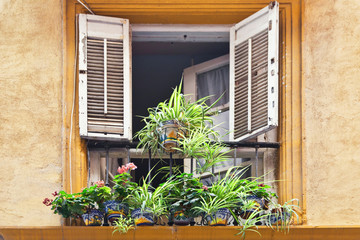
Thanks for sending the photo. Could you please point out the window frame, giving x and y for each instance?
(291, 121)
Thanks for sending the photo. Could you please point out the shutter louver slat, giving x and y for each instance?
(259, 83)
(241, 89)
(113, 120)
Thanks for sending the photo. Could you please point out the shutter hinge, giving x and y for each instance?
(270, 25)
(272, 4)
(82, 71)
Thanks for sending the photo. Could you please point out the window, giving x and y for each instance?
(290, 131)
(105, 79)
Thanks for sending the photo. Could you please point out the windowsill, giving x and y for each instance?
(188, 232)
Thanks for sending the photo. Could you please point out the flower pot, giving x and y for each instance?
(180, 219)
(220, 218)
(114, 210)
(277, 216)
(93, 217)
(259, 204)
(143, 217)
(170, 132)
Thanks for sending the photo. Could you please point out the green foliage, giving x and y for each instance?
(93, 197)
(283, 215)
(144, 198)
(68, 205)
(189, 115)
(123, 225)
(184, 193)
(123, 184)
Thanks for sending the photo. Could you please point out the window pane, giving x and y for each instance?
(214, 83)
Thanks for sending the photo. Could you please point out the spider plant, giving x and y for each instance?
(123, 225)
(148, 199)
(205, 146)
(281, 216)
(189, 115)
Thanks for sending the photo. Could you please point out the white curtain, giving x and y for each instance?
(214, 83)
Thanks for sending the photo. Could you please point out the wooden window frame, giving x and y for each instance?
(291, 169)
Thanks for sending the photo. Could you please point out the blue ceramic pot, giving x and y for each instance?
(180, 219)
(114, 210)
(259, 204)
(220, 218)
(143, 217)
(93, 217)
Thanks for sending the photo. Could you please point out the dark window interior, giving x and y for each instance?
(158, 67)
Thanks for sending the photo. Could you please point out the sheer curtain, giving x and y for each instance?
(214, 83)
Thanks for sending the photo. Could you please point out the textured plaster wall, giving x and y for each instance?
(331, 68)
(30, 110)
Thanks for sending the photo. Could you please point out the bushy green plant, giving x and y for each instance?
(184, 193)
(93, 197)
(66, 205)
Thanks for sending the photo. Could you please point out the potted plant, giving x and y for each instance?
(92, 199)
(171, 120)
(117, 206)
(147, 205)
(69, 206)
(183, 195)
(281, 216)
(222, 198)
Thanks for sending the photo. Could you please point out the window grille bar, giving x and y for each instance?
(171, 164)
(100, 145)
(107, 166)
(149, 167)
(256, 161)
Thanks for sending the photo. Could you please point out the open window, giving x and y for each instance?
(248, 70)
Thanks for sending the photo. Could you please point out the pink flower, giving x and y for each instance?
(131, 165)
(126, 168)
(47, 201)
(205, 187)
(55, 193)
(100, 183)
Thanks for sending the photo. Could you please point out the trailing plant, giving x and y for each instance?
(189, 115)
(281, 216)
(123, 225)
(204, 145)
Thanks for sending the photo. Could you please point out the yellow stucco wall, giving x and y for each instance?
(331, 57)
(30, 110)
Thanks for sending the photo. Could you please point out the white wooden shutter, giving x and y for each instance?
(254, 44)
(104, 77)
